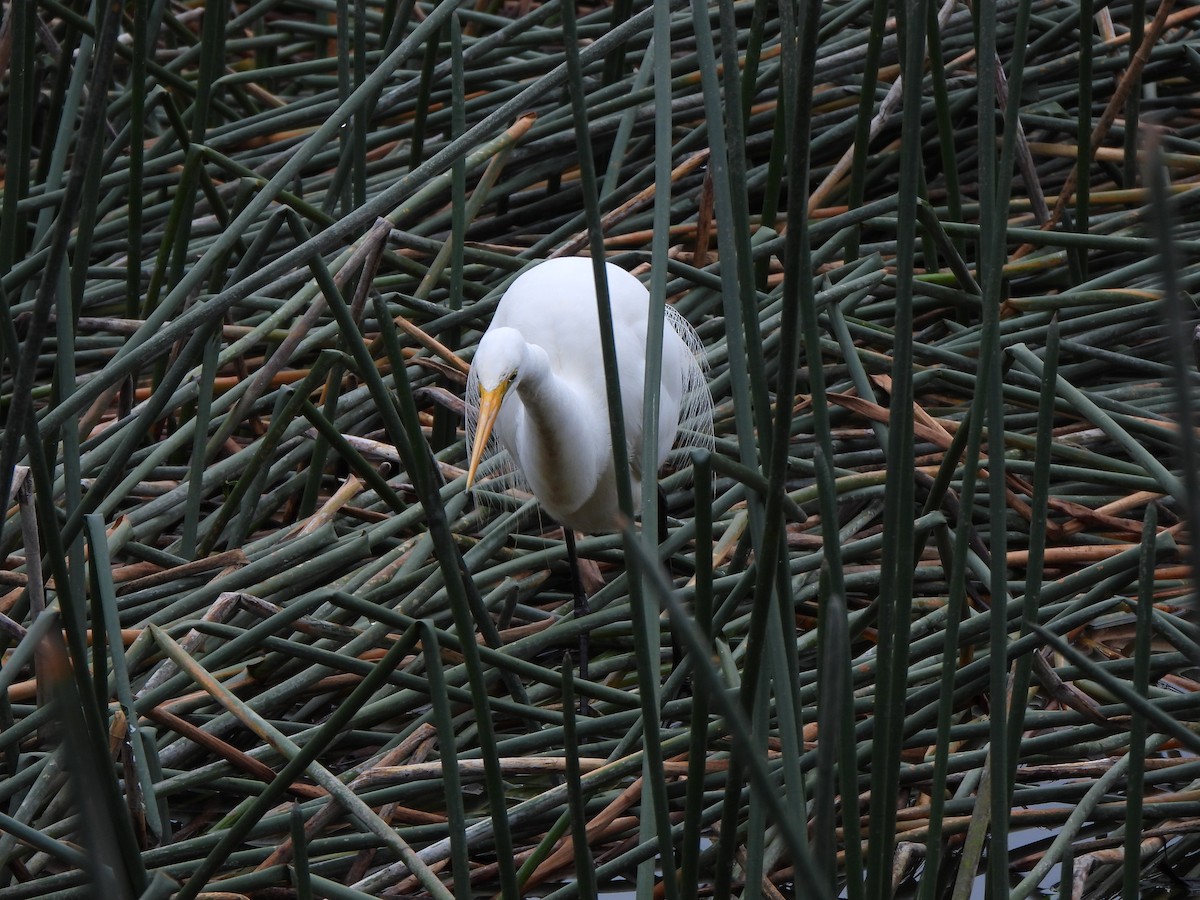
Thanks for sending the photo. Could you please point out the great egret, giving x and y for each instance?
(537, 384)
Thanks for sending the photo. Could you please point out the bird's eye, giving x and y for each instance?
(512, 376)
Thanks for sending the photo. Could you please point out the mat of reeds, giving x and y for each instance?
(924, 619)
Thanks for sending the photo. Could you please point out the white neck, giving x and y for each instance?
(559, 434)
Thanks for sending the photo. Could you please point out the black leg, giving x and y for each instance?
(676, 646)
(581, 610)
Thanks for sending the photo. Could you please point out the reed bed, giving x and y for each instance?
(932, 586)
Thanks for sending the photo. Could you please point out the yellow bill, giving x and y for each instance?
(489, 408)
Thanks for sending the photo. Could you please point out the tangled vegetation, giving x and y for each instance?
(932, 587)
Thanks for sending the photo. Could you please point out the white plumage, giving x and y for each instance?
(537, 385)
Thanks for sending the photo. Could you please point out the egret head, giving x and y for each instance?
(497, 367)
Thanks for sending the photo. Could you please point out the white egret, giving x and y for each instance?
(537, 384)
